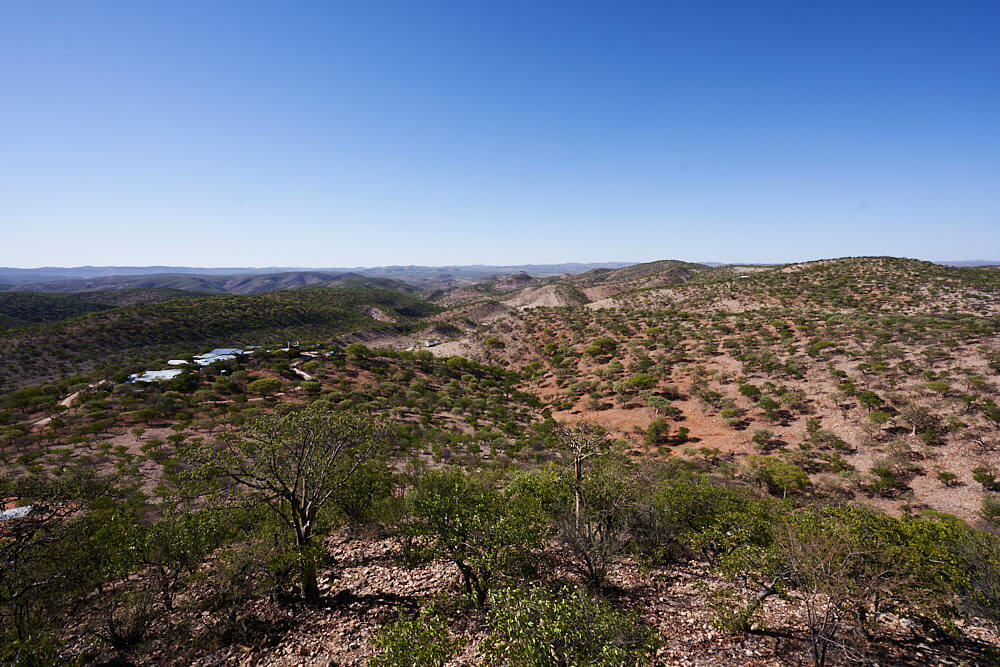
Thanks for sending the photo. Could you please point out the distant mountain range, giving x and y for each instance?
(973, 262)
(210, 284)
(258, 280)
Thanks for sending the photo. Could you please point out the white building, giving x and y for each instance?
(15, 513)
(156, 376)
(219, 354)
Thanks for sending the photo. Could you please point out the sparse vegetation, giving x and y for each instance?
(814, 445)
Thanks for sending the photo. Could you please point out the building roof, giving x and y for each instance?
(15, 513)
(220, 351)
(205, 360)
(156, 376)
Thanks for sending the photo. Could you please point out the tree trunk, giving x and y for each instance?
(310, 586)
(307, 572)
(474, 588)
(578, 491)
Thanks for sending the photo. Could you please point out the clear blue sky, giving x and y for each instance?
(342, 134)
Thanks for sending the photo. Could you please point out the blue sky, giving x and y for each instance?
(349, 134)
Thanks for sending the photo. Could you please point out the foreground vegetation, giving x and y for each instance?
(103, 564)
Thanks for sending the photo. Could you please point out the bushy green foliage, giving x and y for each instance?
(537, 627)
(779, 476)
(489, 533)
(420, 639)
(986, 477)
(858, 560)
(300, 464)
(601, 347)
(658, 432)
(264, 386)
(21, 309)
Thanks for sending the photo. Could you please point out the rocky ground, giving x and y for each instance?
(369, 584)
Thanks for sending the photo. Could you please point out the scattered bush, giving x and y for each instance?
(567, 626)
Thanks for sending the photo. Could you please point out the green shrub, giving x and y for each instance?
(264, 386)
(991, 510)
(888, 483)
(600, 347)
(421, 639)
(658, 432)
(642, 381)
(779, 476)
(488, 533)
(538, 628)
(986, 477)
(34, 650)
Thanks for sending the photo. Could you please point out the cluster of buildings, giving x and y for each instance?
(214, 356)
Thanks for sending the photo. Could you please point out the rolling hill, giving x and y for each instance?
(836, 403)
(122, 335)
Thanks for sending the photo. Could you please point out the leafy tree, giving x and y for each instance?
(658, 432)
(179, 541)
(979, 552)
(642, 381)
(831, 571)
(488, 533)
(879, 417)
(763, 439)
(870, 400)
(779, 476)
(61, 548)
(601, 347)
(299, 464)
(264, 386)
(600, 534)
(919, 418)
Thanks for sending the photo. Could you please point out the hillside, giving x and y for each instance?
(742, 435)
(521, 290)
(894, 361)
(27, 309)
(122, 335)
(19, 309)
(604, 283)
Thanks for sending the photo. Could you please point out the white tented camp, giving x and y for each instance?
(219, 354)
(15, 513)
(156, 376)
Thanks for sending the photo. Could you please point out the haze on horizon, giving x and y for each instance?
(433, 133)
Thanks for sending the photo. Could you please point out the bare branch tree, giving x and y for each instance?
(299, 464)
(582, 442)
